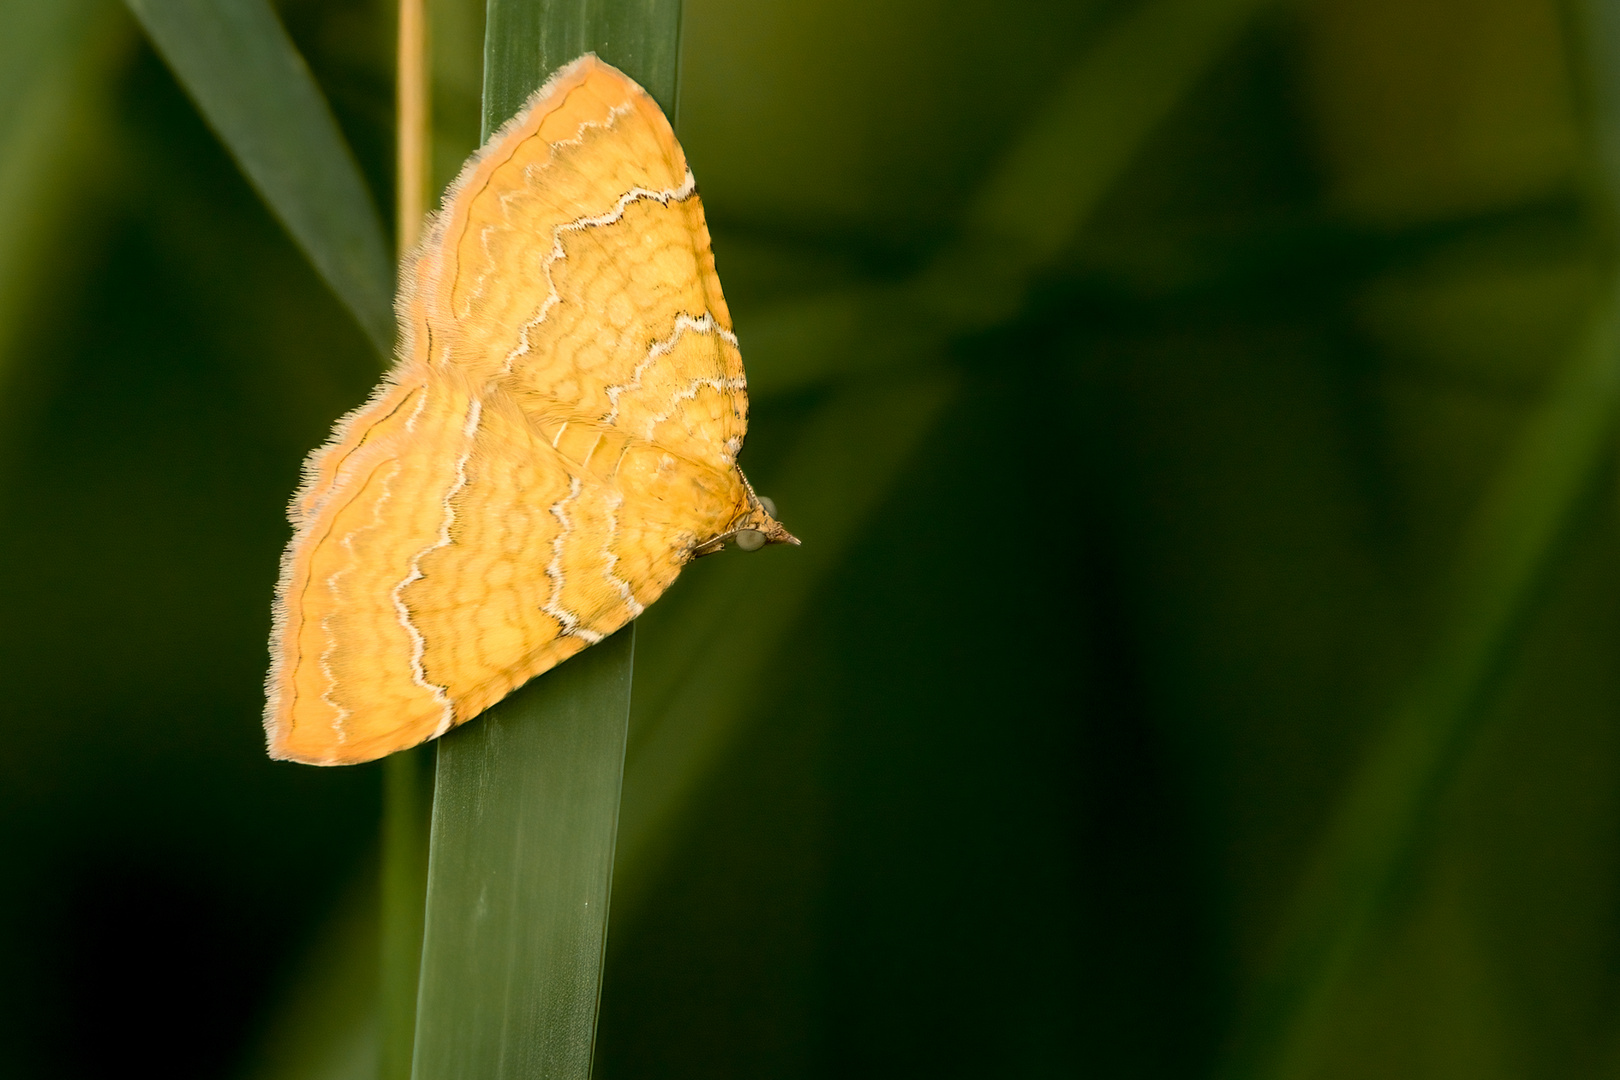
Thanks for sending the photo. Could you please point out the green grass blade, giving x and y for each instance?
(1376, 831)
(524, 41)
(524, 819)
(236, 61)
(406, 803)
(526, 806)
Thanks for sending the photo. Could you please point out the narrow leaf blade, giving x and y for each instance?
(236, 61)
(524, 818)
(526, 808)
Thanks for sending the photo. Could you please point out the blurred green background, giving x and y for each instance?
(1201, 661)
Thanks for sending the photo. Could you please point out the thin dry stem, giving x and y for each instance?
(412, 105)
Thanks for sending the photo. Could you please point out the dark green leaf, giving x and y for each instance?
(524, 818)
(639, 37)
(527, 801)
(406, 806)
(236, 61)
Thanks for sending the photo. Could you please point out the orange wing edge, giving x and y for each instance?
(323, 474)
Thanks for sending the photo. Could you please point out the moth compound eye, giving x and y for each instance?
(769, 504)
(750, 539)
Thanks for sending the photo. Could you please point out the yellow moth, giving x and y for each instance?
(556, 439)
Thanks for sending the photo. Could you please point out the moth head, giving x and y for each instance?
(750, 530)
(759, 526)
